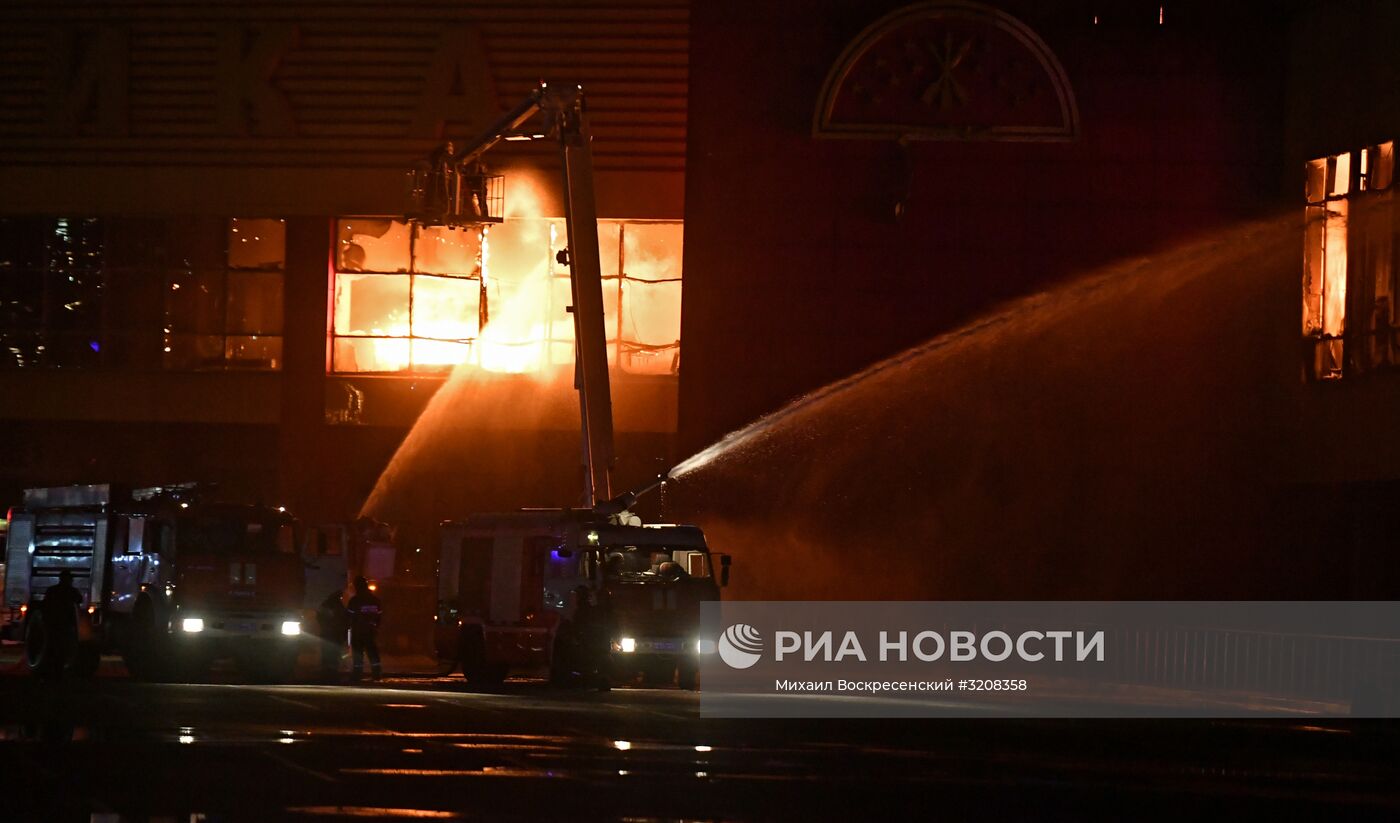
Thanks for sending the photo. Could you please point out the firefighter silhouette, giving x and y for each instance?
(364, 610)
(60, 616)
(479, 202)
(441, 183)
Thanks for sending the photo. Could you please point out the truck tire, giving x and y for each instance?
(39, 652)
(49, 651)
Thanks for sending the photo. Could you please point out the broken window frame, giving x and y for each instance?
(624, 351)
(412, 275)
(227, 330)
(1351, 323)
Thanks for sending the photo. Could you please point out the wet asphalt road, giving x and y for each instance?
(428, 748)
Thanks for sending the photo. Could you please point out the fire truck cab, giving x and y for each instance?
(509, 589)
(168, 579)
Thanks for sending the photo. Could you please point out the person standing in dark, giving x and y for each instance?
(333, 622)
(63, 599)
(60, 610)
(364, 610)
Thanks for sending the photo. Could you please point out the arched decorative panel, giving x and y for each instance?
(947, 70)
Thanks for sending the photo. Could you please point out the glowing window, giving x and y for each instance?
(409, 299)
(1349, 315)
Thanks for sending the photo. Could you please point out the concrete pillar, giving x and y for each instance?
(301, 434)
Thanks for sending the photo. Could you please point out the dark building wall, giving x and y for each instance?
(1342, 75)
(240, 458)
(797, 271)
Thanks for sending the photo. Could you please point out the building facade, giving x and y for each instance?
(205, 274)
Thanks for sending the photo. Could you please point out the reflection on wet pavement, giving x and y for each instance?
(430, 750)
(370, 811)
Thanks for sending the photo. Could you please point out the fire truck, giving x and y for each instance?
(509, 583)
(168, 578)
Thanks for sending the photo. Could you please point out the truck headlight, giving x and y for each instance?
(291, 628)
(193, 625)
(628, 644)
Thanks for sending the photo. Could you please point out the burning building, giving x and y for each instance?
(205, 272)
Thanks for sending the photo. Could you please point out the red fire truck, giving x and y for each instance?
(509, 586)
(167, 578)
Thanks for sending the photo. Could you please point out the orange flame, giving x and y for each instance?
(495, 299)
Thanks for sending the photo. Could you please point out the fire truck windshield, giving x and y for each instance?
(654, 563)
(234, 533)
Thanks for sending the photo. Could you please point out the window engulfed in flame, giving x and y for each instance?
(411, 299)
(1347, 263)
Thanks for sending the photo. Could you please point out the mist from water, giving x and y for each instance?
(1117, 436)
(503, 422)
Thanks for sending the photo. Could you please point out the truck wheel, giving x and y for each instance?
(49, 650)
(39, 652)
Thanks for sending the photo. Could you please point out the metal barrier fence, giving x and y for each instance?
(1322, 667)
